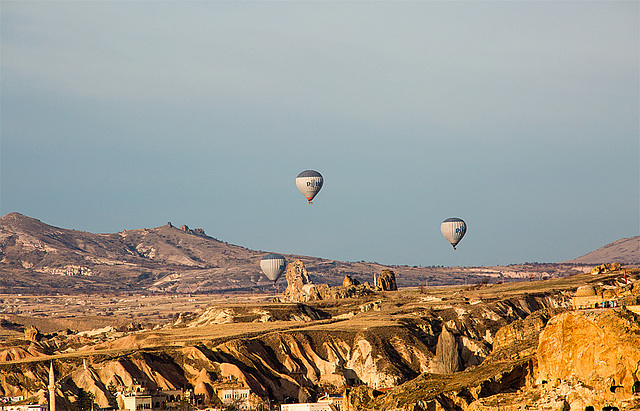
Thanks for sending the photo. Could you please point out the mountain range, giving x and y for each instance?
(37, 257)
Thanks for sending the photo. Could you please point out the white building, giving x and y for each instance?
(143, 399)
(309, 406)
(334, 400)
(137, 402)
(236, 396)
(27, 407)
(328, 402)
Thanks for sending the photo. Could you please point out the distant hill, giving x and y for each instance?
(38, 258)
(624, 251)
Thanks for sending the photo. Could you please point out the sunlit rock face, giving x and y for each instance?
(596, 349)
(299, 285)
(447, 359)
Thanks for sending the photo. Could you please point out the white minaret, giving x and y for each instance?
(52, 389)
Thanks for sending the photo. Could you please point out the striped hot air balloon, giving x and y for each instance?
(272, 266)
(453, 229)
(309, 182)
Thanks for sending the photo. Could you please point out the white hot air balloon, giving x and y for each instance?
(453, 229)
(272, 266)
(309, 182)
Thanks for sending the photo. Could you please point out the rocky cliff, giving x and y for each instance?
(380, 344)
(595, 352)
(472, 348)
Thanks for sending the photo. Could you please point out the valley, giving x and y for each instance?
(460, 347)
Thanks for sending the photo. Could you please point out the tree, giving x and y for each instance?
(112, 394)
(84, 401)
(185, 405)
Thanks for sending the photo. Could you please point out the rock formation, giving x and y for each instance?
(394, 359)
(605, 268)
(195, 231)
(387, 280)
(301, 289)
(447, 359)
(349, 281)
(599, 349)
(299, 285)
(31, 333)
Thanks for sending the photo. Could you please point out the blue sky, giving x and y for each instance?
(522, 118)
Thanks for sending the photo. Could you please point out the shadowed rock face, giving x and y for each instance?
(277, 364)
(387, 280)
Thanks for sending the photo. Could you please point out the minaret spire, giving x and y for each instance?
(52, 389)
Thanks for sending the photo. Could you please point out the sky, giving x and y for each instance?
(522, 118)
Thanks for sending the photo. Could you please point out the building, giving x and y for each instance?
(328, 402)
(586, 297)
(6, 403)
(26, 407)
(608, 296)
(8, 400)
(142, 399)
(236, 396)
(334, 400)
(137, 401)
(309, 406)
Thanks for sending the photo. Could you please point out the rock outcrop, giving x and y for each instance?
(447, 359)
(299, 285)
(194, 231)
(387, 280)
(349, 281)
(598, 349)
(605, 268)
(301, 289)
(31, 333)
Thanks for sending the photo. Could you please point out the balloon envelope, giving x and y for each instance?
(272, 266)
(453, 229)
(309, 182)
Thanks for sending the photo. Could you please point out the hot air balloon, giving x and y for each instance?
(453, 229)
(309, 182)
(272, 266)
